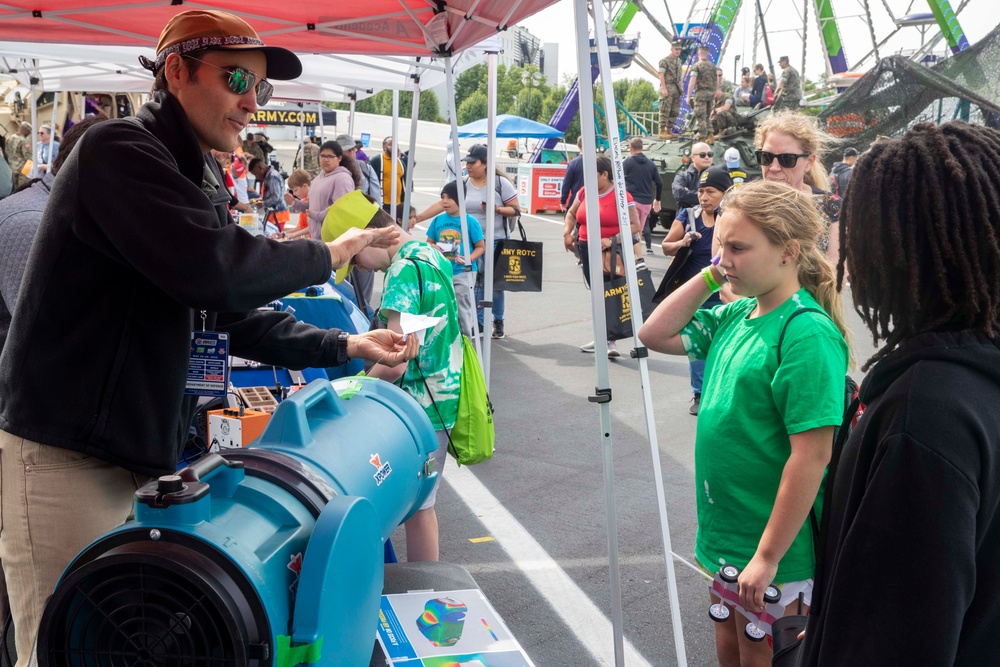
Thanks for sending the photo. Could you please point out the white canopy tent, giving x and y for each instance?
(327, 77)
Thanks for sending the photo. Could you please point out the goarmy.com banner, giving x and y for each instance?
(293, 117)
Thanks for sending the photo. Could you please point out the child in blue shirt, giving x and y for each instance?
(445, 234)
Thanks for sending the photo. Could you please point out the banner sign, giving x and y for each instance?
(292, 116)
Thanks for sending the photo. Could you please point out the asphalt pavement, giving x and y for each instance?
(530, 524)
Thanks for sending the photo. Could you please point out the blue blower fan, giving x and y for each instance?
(267, 555)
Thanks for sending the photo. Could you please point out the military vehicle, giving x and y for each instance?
(672, 156)
(72, 106)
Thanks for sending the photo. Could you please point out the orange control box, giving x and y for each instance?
(227, 428)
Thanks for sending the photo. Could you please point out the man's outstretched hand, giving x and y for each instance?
(383, 346)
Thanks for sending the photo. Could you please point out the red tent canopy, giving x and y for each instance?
(378, 27)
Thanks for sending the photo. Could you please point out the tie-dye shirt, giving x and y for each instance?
(419, 282)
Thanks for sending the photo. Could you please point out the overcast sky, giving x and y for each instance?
(784, 24)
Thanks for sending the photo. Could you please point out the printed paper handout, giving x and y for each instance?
(418, 324)
(446, 629)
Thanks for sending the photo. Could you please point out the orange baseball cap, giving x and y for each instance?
(210, 29)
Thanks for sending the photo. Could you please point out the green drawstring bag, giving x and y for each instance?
(471, 438)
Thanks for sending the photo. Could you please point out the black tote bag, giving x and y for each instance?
(618, 301)
(517, 264)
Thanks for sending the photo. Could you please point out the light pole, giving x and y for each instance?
(531, 80)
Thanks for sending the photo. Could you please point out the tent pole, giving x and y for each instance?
(393, 161)
(350, 121)
(411, 161)
(491, 213)
(449, 79)
(34, 119)
(52, 124)
(322, 131)
(602, 395)
(632, 279)
(302, 135)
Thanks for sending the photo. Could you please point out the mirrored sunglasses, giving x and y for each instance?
(786, 160)
(705, 154)
(241, 80)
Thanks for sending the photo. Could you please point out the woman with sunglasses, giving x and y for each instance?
(773, 393)
(788, 144)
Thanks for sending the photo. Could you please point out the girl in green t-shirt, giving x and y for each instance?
(765, 428)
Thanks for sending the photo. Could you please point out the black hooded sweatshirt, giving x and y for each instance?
(642, 178)
(134, 244)
(909, 569)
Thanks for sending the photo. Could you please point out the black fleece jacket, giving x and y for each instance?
(131, 248)
(909, 571)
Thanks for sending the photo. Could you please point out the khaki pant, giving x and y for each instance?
(786, 103)
(724, 120)
(701, 107)
(464, 283)
(670, 107)
(53, 503)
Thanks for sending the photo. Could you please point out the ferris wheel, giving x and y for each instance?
(712, 21)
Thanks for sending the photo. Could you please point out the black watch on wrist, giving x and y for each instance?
(342, 357)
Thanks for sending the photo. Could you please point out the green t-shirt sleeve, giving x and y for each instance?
(697, 335)
(808, 387)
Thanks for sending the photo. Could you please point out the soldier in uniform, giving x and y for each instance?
(670, 89)
(701, 93)
(310, 161)
(724, 116)
(251, 148)
(18, 151)
(789, 90)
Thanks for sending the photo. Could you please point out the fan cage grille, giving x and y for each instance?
(144, 605)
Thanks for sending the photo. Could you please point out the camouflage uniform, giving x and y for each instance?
(670, 104)
(791, 90)
(18, 151)
(311, 160)
(704, 96)
(723, 120)
(253, 149)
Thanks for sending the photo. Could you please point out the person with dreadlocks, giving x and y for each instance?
(766, 419)
(910, 545)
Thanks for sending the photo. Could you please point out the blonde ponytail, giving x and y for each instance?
(818, 276)
(790, 217)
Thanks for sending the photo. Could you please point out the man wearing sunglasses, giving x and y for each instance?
(685, 185)
(135, 254)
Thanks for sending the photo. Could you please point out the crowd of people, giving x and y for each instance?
(776, 496)
(904, 506)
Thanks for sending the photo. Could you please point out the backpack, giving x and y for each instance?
(471, 439)
(509, 221)
(374, 180)
(768, 95)
(850, 386)
(853, 410)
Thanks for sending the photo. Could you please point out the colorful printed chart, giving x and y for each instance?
(446, 629)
